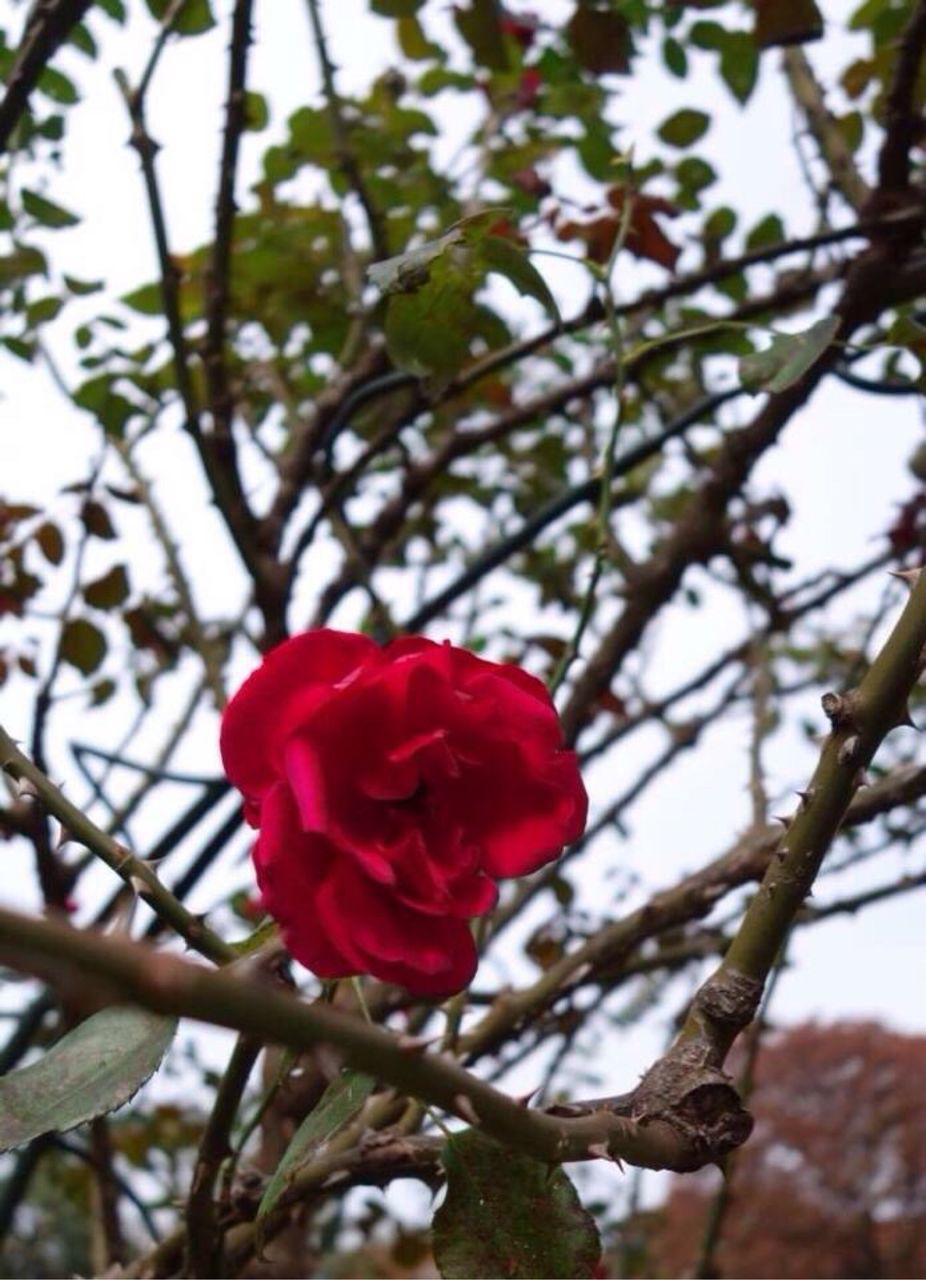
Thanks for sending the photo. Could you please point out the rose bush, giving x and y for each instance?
(392, 787)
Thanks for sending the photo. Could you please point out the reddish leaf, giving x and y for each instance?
(48, 536)
(96, 520)
(82, 645)
(600, 39)
(784, 22)
(529, 87)
(645, 237)
(109, 590)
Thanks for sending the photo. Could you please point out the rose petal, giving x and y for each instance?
(307, 782)
(523, 820)
(432, 954)
(279, 697)
(290, 865)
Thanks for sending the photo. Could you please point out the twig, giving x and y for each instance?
(209, 648)
(125, 1187)
(346, 158)
(48, 25)
(861, 718)
(17, 1182)
(762, 722)
(700, 532)
(586, 491)
(706, 1267)
(902, 117)
(134, 871)
(217, 279)
(603, 513)
(458, 444)
(839, 160)
(120, 970)
(216, 450)
(111, 1244)
(691, 898)
(168, 22)
(204, 1240)
(683, 286)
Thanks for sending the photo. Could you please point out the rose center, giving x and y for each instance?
(416, 801)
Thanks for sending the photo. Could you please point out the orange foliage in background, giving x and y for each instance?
(832, 1182)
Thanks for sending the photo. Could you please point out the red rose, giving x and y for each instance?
(392, 788)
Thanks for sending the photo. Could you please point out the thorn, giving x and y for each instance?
(123, 913)
(805, 797)
(26, 789)
(600, 1151)
(832, 706)
(65, 835)
(463, 1106)
(785, 821)
(524, 1099)
(909, 576)
(417, 1044)
(841, 709)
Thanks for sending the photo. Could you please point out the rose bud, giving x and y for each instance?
(392, 788)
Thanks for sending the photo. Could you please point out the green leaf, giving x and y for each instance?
(720, 223)
(110, 590)
(503, 256)
(80, 288)
(115, 9)
(429, 332)
(480, 27)
(92, 1070)
(20, 264)
(509, 1215)
(98, 397)
(147, 300)
(195, 16)
(708, 35)
(413, 42)
(82, 645)
(694, 174)
(788, 358)
(340, 1102)
(768, 231)
(431, 317)
(20, 347)
(81, 39)
(675, 57)
(739, 64)
(409, 271)
(684, 127)
(58, 87)
(256, 111)
(396, 8)
(42, 310)
(46, 211)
